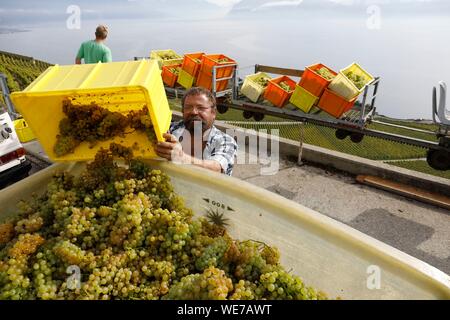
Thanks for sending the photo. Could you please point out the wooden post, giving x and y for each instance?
(300, 145)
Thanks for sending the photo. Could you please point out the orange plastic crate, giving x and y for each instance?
(168, 76)
(205, 80)
(334, 104)
(275, 94)
(210, 60)
(313, 82)
(190, 65)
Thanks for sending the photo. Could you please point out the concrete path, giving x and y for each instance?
(418, 229)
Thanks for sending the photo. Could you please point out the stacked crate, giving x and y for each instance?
(255, 85)
(277, 94)
(311, 87)
(190, 69)
(205, 76)
(170, 74)
(342, 92)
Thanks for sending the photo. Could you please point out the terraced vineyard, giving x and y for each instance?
(421, 166)
(20, 71)
(412, 124)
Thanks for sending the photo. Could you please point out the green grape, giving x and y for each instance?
(285, 86)
(131, 237)
(325, 73)
(263, 81)
(212, 284)
(359, 80)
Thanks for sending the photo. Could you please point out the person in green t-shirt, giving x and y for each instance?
(93, 51)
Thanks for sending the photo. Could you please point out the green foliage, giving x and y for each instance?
(403, 132)
(20, 71)
(421, 166)
(409, 123)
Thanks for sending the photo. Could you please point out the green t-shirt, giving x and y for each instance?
(93, 52)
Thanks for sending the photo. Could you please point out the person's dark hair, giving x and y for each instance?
(195, 91)
(101, 32)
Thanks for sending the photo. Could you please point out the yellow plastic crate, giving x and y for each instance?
(157, 55)
(185, 79)
(251, 89)
(303, 99)
(118, 86)
(23, 131)
(344, 87)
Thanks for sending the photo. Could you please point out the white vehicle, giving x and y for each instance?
(13, 164)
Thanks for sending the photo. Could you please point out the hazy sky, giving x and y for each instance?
(404, 41)
(27, 12)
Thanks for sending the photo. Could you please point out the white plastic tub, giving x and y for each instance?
(327, 254)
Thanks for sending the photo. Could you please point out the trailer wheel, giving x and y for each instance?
(438, 159)
(356, 137)
(258, 116)
(341, 134)
(221, 108)
(247, 114)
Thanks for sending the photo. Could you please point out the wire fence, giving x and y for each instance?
(370, 147)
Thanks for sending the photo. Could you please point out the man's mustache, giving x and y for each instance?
(189, 123)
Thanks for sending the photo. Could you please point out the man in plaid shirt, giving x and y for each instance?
(182, 143)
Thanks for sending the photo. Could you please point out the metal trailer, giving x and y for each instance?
(352, 123)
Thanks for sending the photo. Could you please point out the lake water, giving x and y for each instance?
(409, 54)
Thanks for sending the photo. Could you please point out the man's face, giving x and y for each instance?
(198, 108)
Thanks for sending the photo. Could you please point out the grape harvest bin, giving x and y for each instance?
(325, 253)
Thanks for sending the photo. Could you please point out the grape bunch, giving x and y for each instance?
(223, 60)
(121, 232)
(168, 56)
(325, 73)
(359, 80)
(92, 123)
(263, 81)
(175, 71)
(285, 86)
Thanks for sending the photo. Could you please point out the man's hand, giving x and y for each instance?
(171, 149)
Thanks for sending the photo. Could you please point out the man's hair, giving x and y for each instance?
(195, 91)
(101, 32)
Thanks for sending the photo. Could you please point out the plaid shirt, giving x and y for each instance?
(219, 146)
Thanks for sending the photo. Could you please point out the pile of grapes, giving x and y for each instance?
(263, 81)
(123, 233)
(175, 71)
(222, 60)
(285, 86)
(93, 123)
(168, 56)
(358, 80)
(325, 73)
